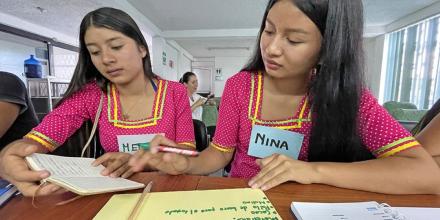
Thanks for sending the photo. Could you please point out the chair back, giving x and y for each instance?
(200, 134)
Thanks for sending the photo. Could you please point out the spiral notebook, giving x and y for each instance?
(361, 211)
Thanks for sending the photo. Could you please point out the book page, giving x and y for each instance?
(190, 205)
(66, 166)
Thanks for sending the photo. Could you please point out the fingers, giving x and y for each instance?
(29, 189)
(119, 171)
(266, 160)
(102, 159)
(30, 176)
(139, 160)
(159, 140)
(20, 149)
(113, 162)
(272, 172)
(178, 162)
(16, 170)
(127, 173)
(275, 180)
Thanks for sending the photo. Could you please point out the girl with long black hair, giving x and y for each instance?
(305, 79)
(113, 69)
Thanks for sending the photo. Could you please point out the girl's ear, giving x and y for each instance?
(143, 51)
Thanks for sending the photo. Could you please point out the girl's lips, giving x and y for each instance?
(114, 72)
(270, 64)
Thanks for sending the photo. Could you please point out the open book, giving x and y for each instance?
(76, 174)
(361, 210)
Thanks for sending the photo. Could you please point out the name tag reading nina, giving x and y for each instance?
(266, 141)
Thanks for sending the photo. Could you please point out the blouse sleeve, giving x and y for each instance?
(183, 118)
(379, 131)
(226, 132)
(64, 120)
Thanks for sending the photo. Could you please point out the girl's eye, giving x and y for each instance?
(269, 32)
(293, 42)
(117, 47)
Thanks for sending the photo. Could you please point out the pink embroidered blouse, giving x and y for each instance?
(171, 115)
(240, 109)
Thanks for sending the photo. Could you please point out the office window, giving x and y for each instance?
(412, 64)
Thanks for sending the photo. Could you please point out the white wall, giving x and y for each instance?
(204, 65)
(184, 65)
(373, 48)
(184, 59)
(229, 66)
(171, 52)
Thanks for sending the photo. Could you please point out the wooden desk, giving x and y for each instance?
(281, 196)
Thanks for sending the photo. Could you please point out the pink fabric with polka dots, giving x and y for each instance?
(175, 122)
(377, 128)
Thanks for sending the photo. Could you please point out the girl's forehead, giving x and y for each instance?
(102, 35)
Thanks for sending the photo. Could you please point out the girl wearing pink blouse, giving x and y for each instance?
(305, 81)
(113, 67)
(170, 117)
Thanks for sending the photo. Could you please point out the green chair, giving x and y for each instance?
(405, 113)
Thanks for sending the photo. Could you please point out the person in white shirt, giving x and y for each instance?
(196, 101)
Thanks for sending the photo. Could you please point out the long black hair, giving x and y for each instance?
(109, 18)
(185, 77)
(434, 111)
(336, 89)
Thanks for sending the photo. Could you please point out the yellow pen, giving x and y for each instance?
(136, 208)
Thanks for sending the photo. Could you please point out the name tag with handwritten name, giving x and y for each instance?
(133, 143)
(266, 141)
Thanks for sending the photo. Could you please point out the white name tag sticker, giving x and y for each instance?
(266, 141)
(133, 143)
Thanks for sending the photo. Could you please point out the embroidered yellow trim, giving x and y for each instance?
(222, 148)
(157, 112)
(386, 147)
(41, 141)
(254, 118)
(398, 149)
(190, 144)
(46, 138)
(257, 104)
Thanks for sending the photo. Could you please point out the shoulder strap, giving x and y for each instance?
(95, 124)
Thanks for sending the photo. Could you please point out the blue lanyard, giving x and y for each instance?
(154, 85)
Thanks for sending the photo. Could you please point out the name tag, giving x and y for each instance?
(266, 141)
(133, 143)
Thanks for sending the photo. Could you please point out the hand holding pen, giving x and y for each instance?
(175, 161)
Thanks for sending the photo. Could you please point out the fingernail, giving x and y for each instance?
(44, 175)
(104, 172)
(113, 175)
(29, 149)
(254, 186)
(55, 188)
(264, 188)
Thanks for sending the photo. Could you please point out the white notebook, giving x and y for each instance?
(360, 211)
(76, 174)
